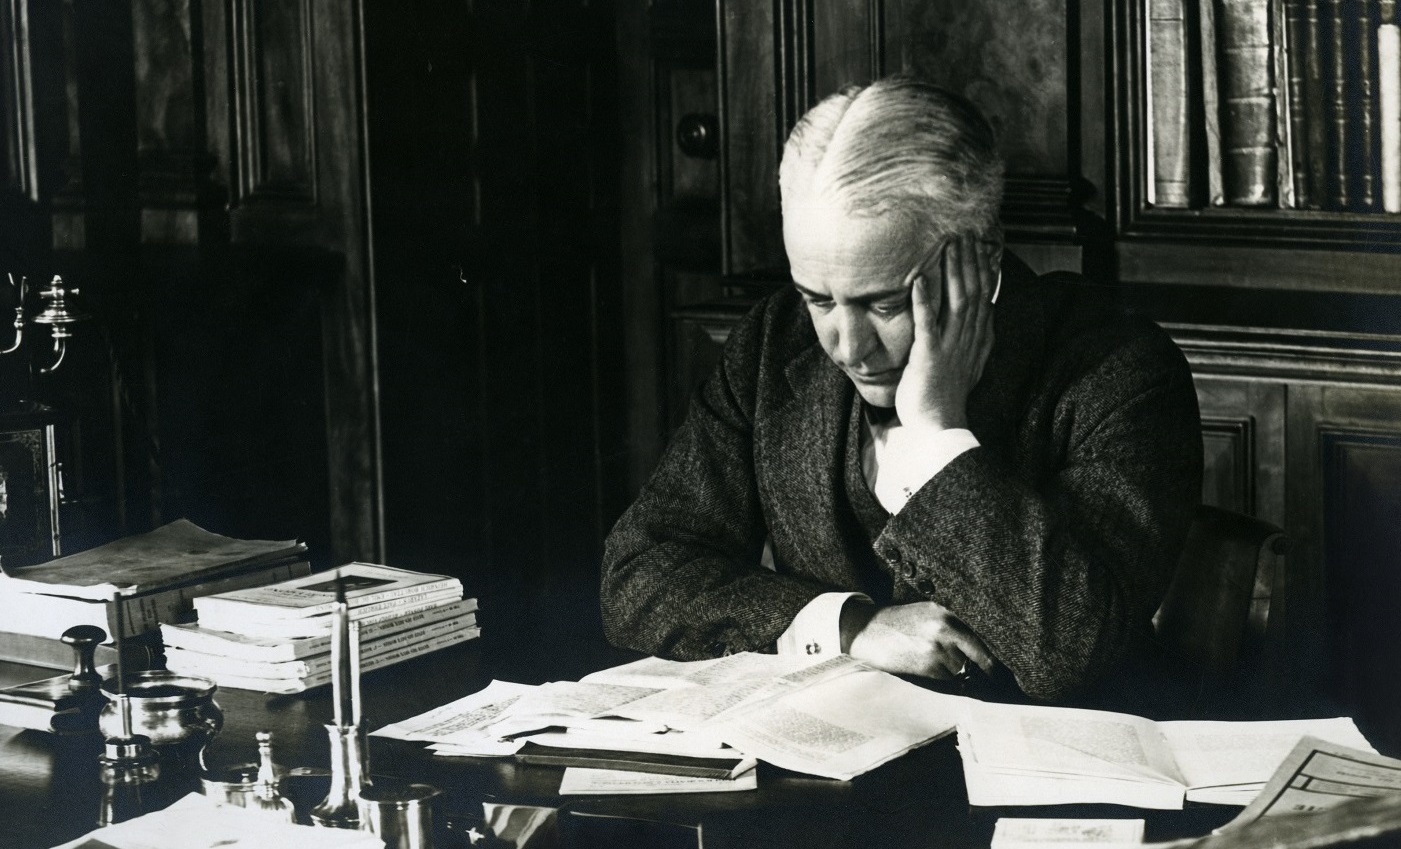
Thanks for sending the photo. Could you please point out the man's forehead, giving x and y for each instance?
(826, 242)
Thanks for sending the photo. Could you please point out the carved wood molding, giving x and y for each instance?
(21, 145)
(1290, 354)
(274, 119)
(1238, 435)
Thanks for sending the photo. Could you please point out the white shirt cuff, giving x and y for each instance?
(817, 629)
(911, 457)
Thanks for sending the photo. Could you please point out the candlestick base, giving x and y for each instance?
(348, 775)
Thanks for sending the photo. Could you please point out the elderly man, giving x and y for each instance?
(921, 453)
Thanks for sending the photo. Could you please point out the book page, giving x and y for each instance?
(1071, 742)
(842, 726)
(466, 716)
(678, 743)
(666, 674)
(686, 708)
(1317, 775)
(1213, 754)
(171, 554)
(580, 781)
(571, 698)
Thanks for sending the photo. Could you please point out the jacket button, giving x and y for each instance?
(718, 649)
(895, 557)
(925, 586)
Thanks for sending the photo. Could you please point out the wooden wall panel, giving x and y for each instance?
(1350, 497)
(752, 129)
(1362, 541)
(1228, 476)
(273, 84)
(1011, 59)
(848, 45)
(1243, 440)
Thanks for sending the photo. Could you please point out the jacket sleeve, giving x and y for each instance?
(681, 573)
(1058, 576)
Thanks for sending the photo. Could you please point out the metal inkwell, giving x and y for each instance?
(177, 712)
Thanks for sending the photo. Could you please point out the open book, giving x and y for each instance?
(836, 717)
(1032, 755)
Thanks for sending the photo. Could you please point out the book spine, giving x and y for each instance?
(1367, 164)
(34, 650)
(1211, 105)
(148, 611)
(1314, 106)
(1284, 104)
(631, 761)
(266, 650)
(1389, 90)
(1295, 44)
(232, 618)
(270, 606)
(1169, 133)
(187, 660)
(1339, 190)
(1249, 156)
(367, 665)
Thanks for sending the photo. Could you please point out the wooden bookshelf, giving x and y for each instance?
(1346, 246)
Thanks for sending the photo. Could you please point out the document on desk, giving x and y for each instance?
(664, 674)
(463, 723)
(578, 781)
(1318, 775)
(842, 726)
(832, 717)
(1040, 755)
(195, 822)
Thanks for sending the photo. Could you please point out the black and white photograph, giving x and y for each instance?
(971, 424)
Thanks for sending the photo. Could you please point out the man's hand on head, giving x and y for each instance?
(922, 638)
(953, 335)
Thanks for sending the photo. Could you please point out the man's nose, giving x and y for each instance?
(853, 338)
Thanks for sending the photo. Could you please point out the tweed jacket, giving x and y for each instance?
(1054, 540)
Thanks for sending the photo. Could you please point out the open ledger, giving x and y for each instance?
(1032, 755)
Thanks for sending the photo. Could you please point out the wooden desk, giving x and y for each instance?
(50, 787)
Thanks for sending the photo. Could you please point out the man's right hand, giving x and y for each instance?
(922, 638)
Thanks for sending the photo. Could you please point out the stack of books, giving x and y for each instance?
(277, 638)
(156, 576)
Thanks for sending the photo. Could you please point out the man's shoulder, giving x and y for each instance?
(775, 331)
(1088, 321)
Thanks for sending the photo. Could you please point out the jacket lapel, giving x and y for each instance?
(1019, 328)
(803, 478)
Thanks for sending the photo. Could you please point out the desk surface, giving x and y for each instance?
(50, 789)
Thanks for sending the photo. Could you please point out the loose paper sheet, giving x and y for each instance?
(578, 781)
(466, 716)
(195, 822)
(1317, 775)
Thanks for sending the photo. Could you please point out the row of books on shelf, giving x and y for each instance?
(246, 613)
(1273, 103)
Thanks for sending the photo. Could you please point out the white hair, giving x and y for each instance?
(898, 146)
